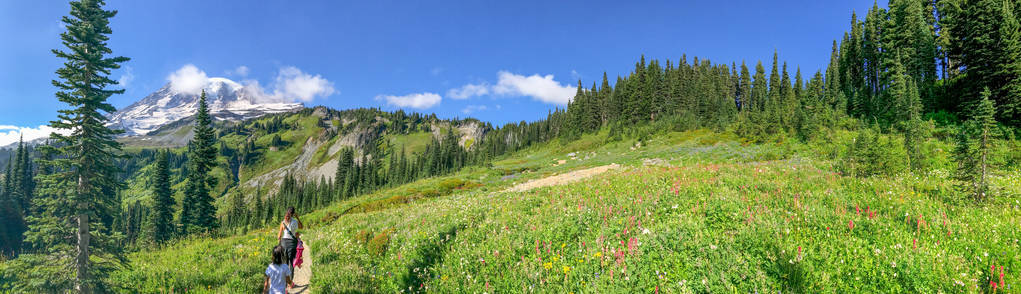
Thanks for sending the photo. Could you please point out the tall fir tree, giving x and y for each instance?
(744, 91)
(162, 220)
(775, 92)
(1010, 65)
(18, 191)
(79, 201)
(10, 215)
(973, 148)
(760, 89)
(197, 211)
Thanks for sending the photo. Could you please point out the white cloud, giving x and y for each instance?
(542, 88)
(417, 100)
(575, 75)
(11, 134)
(292, 83)
(241, 71)
(436, 71)
(473, 108)
(469, 90)
(188, 79)
(126, 77)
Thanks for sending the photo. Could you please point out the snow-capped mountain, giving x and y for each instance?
(228, 100)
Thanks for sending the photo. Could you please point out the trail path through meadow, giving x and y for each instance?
(562, 178)
(303, 274)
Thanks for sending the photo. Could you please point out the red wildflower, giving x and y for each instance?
(850, 224)
(1001, 277)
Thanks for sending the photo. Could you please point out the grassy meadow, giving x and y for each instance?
(687, 212)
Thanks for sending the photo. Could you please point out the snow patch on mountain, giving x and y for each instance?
(228, 100)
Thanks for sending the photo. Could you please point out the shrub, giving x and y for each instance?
(873, 154)
(363, 236)
(377, 246)
(329, 217)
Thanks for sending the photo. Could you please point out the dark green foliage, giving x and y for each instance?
(984, 43)
(973, 149)
(1010, 65)
(16, 194)
(162, 219)
(77, 202)
(873, 154)
(197, 211)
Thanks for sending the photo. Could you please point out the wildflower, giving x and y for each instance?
(567, 269)
(850, 225)
(1001, 277)
(547, 265)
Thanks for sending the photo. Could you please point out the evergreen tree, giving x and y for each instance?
(775, 92)
(872, 55)
(21, 178)
(80, 200)
(973, 147)
(1010, 65)
(163, 201)
(10, 215)
(8, 184)
(759, 88)
(744, 91)
(197, 211)
(910, 35)
(605, 91)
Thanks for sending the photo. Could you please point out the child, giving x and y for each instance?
(301, 247)
(278, 274)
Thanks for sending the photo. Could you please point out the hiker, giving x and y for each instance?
(301, 247)
(287, 235)
(278, 274)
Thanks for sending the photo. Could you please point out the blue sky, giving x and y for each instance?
(505, 61)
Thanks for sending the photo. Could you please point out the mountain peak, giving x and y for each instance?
(227, 99)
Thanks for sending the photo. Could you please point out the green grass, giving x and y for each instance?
(709, 215)
(412, 143)
(274, 159)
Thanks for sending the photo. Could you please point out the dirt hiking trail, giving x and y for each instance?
(303, 274)
(562, 178)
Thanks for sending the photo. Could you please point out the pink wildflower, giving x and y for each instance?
(1001, 277)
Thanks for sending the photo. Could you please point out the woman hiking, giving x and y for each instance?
(287, 235)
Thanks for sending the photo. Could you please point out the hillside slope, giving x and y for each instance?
(257, 155)
(686, 212)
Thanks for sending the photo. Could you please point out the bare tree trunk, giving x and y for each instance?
(82, 259)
